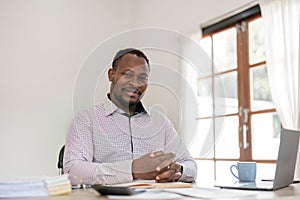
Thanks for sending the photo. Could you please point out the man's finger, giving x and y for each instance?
(176, 167)
(157, 153)
(168, 176)
(165, 156)
(166, 164)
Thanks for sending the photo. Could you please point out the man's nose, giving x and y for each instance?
(135, 81)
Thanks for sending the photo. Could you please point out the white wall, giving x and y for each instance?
(43, 43)
(42, 46)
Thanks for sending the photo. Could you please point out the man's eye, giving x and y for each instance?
(127, 75)
(143, 79)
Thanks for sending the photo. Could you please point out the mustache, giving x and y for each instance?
(132, 89)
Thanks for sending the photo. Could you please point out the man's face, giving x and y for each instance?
(129, 81)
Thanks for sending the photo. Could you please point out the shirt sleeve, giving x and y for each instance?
(183, 157)
(78, 157)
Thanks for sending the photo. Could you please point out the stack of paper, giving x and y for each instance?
(23, 188)
(35, 187)
(58, 185)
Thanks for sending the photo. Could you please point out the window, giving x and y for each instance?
(245, 124)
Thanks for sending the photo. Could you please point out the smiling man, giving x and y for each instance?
(129, 78)
(120, 140)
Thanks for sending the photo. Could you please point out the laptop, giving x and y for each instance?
(285, 166)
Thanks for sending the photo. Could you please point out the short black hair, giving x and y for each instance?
(123, 52)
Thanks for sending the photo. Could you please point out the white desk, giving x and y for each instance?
(290, 193)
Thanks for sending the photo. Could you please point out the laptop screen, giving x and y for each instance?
(287, 156)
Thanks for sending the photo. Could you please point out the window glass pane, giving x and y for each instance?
(260, 91)
(191, 75)
(204, 87)
(265, 171)
(226, 95)
(203, 142)
(227, 138)
(256, 41)
(205, 43)
(223, 173)
(265, 136)
(204, 97)
(224, 50)
(205, 172)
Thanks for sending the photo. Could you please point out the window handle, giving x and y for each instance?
(244, 129)
(245, 134)
(244, 113)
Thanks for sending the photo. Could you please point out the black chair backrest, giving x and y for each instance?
(60, 163)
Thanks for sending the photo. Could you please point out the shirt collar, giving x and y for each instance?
(110, 107)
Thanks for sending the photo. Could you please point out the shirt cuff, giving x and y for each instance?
(187, 174)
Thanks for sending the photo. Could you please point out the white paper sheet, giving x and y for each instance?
(211, 193)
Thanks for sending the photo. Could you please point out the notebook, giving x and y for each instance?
(285, 166)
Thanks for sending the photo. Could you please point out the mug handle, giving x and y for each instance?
(233, 166)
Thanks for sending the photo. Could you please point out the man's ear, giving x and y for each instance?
(111, 74)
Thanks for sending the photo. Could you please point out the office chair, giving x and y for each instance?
(60, 163)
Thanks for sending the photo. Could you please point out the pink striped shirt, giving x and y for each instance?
(103, 141)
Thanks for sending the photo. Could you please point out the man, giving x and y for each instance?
(120, 140)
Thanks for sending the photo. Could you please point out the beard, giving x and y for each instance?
(126, 103)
